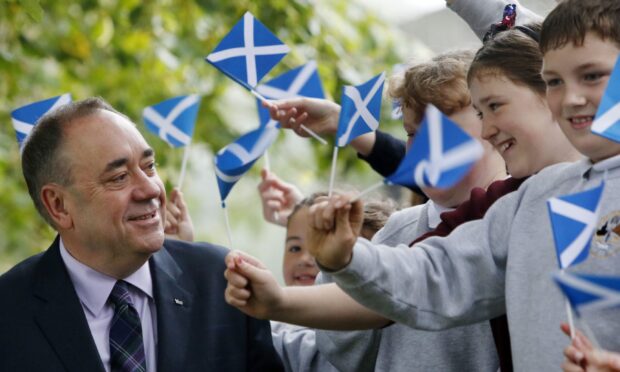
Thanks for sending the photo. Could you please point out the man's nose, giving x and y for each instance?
(147, 187)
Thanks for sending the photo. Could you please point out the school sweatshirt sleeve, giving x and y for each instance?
(348, 350)
(481, 14)
(440, 282)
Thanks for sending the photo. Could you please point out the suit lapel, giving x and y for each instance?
(61, 317)
(173, 304)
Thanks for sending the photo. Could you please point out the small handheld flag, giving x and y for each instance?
(607, 120)
(361, 108)
(589, 292)
(232, 161)
(248, 52)
(573, 220)
(303, 81)
(173, 120)
(24, 118)
(440, 156)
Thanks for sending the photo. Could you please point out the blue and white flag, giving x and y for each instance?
(361, 109)
(573, 220)
(232, 161)
(303, 81)
(589, 292)
(25, 117)
(440, 156)
(248, 52)
(607, 120)
(173, 120)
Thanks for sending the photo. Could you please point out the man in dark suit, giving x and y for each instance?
(110, 294)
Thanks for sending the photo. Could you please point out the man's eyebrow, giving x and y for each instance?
(292, 238)
(117, 163)
(148, 153)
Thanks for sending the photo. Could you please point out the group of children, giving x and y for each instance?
(535, 90)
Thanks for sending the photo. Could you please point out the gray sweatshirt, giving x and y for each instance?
(485, 267)
(481, 14)
(401, 348)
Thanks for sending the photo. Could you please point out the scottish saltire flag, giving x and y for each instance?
(303, 81)
(25, 117)
(607, 120)
(232, 161)
(440, 156)
(361, 108)
(173, 120)
(573, 220)
(248, 52)
(589, 292)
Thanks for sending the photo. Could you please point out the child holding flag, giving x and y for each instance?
(504, 261)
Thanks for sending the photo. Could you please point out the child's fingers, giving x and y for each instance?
(235, 279)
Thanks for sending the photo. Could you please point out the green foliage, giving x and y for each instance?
(136, 53)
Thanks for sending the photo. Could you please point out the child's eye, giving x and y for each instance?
(494, 106)
(294, 249)
(479, 114)
(593, 76)
(553, 82)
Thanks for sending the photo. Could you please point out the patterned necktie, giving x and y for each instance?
(126, 346)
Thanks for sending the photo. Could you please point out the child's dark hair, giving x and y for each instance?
(571, 20)
(514, 54)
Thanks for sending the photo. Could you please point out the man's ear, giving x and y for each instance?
(53, 197)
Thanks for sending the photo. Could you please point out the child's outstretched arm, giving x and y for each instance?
(319, 115)
(254, 290)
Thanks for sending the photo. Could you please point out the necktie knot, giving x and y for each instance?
(120, 294)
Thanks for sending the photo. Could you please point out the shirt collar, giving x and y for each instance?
(93, 288)
(609, 164)
(434, 212)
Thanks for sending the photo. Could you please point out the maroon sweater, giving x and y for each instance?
(474, 209)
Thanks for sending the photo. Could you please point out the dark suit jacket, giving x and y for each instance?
(43, 326)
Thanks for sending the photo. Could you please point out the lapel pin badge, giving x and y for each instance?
(178, 302)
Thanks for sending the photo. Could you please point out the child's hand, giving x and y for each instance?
(319, 115)
(582, 356)
(334, 227)
(178, 221)
(251, 287)
(278, 198)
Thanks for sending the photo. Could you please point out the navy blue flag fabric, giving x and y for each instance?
(440, 156)
(607, 119)
(573, 220)
(361, 110)
(173, 120)
(24, 118)
(303, 81)
(589, 292)
(234, 160)
(248, 52)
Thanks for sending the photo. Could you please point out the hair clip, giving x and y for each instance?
(509, 18)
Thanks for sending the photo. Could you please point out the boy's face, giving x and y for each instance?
(576, 78)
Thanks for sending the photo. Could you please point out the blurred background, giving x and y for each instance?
(135, 53)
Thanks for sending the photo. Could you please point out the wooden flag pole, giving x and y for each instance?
(306, 129)
(569, 314)
(332, 174)
(183, 166)
(226, 221)
(371, 188)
